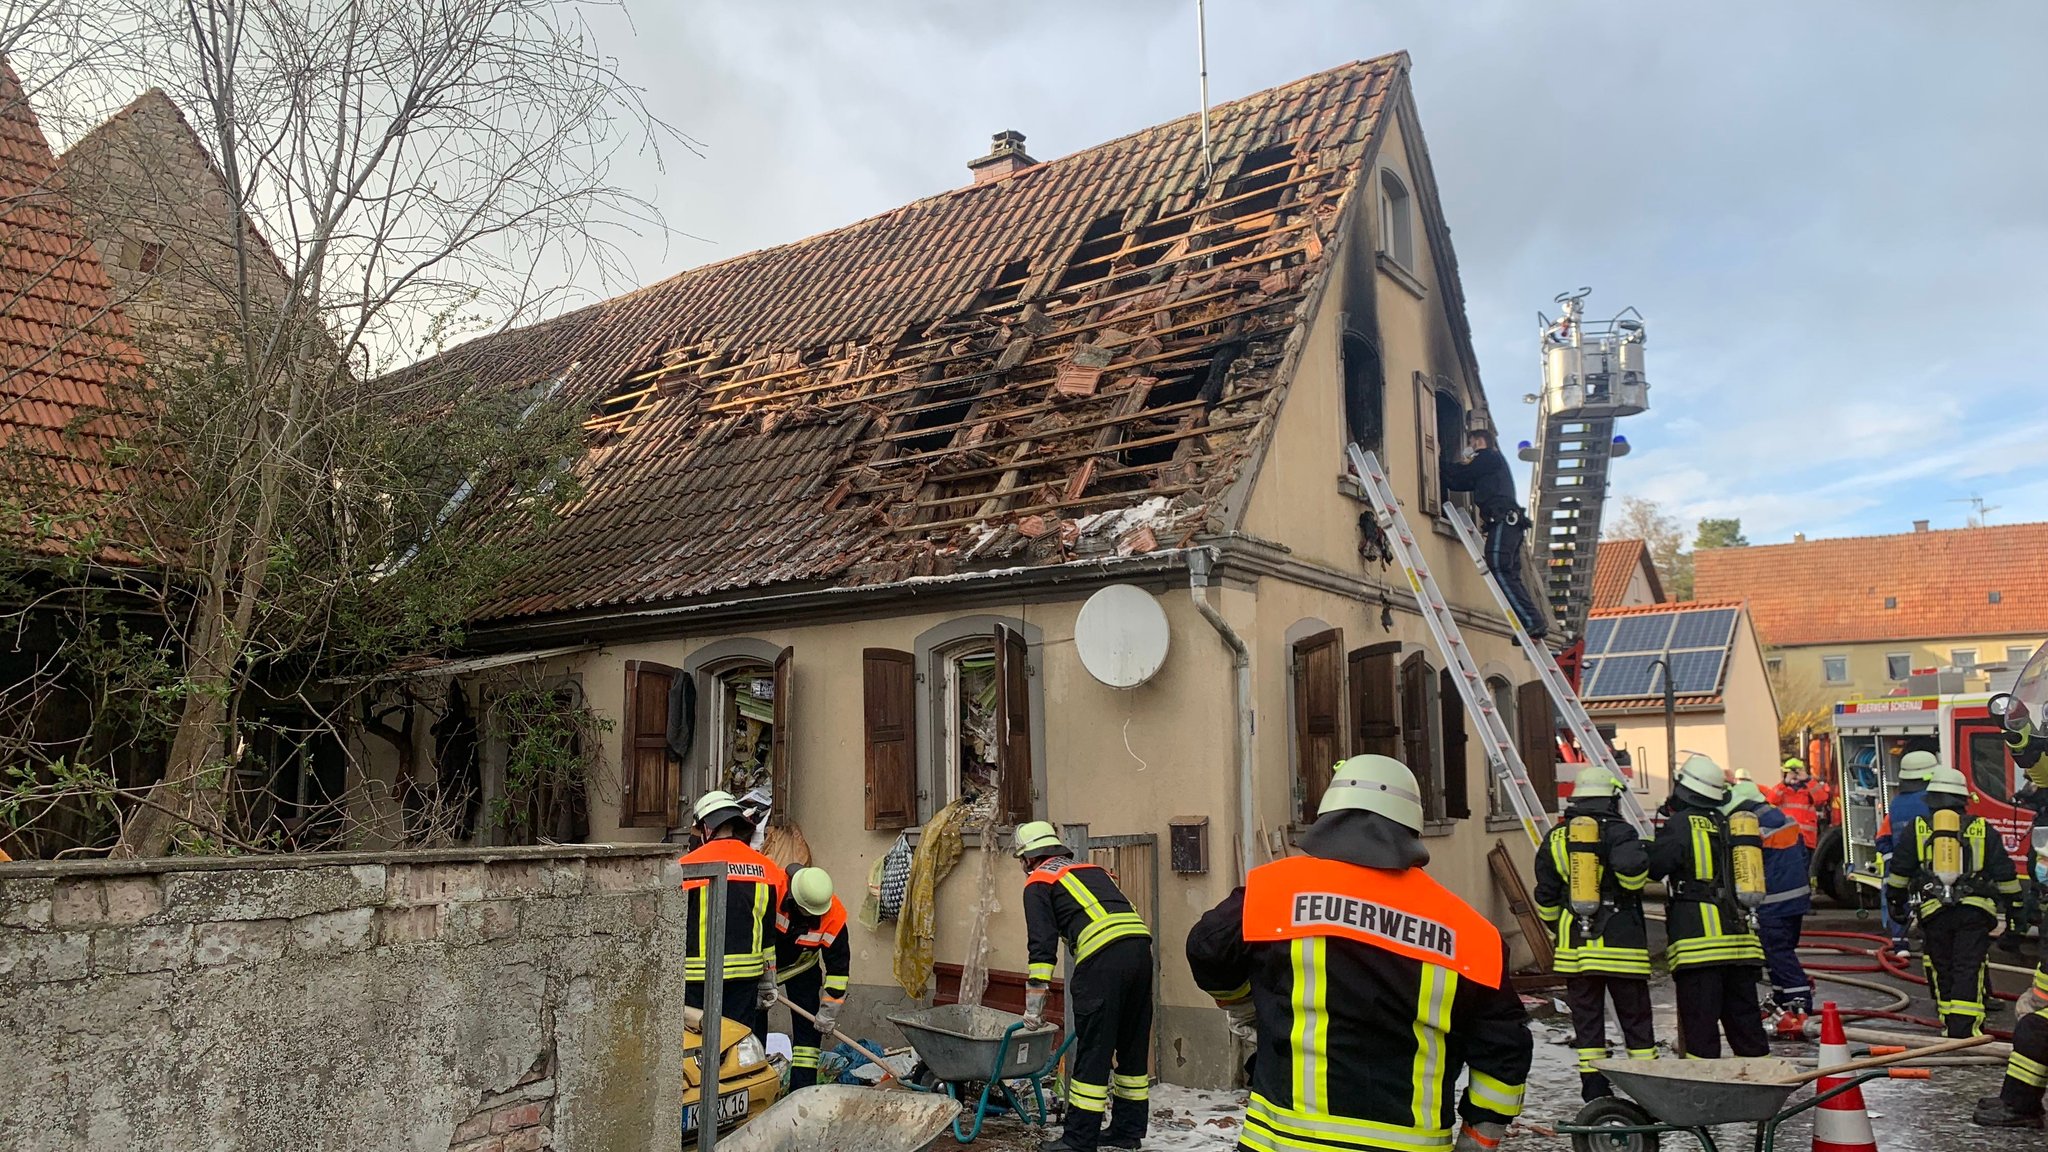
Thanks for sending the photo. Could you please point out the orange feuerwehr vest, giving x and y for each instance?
(1405, 913)
(741, 863)
(830, 925)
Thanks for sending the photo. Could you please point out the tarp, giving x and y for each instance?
(938, 850)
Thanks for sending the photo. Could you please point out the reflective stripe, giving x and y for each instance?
(835, 987)
(1271, 1128)
(1432, 1025)
(1642, 1053)
(1632, 883)
(1548, 913)
(1236, 995)
(2027, 1071)
(1587, 1056)
(1088, 1097)
(1110, 928)
(2040, 982)
(1130, 1087)
(804, 963)
(1788, 895)
(1311, 1025)
(1041, 973)
(1600, 959)
(1496, 1095)
(1702, 848)
(747, 965)
(802, 1057)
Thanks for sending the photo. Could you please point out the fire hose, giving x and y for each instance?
(1864, 954)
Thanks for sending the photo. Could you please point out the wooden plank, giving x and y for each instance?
(1508, 882)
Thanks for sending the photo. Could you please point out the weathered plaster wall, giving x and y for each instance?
(499, 1001)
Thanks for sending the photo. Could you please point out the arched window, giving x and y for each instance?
(1397, 229)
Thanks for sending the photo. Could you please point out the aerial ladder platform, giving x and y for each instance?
(1592, 376)
(1534, 810)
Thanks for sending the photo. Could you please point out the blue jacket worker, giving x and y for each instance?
(1787, 900)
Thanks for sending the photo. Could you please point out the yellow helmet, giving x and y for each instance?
(812, 888)
(1379, 784)
(1700, 774)
(1595, 780)
(1794, 762)
(1918, 766)
(1037, 838)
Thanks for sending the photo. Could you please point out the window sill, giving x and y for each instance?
(1402, 276)
(1503, 823)
(1435, 828)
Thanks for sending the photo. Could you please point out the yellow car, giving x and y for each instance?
(748, 1082)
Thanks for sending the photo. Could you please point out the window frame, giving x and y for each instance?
(1955, 659)
(2020, 653)
(707, 667)
(935, 644)
(1901, 676)
(1397, 220)
(1501, 690)
(1826, 677)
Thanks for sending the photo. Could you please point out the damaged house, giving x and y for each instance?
(845, 499)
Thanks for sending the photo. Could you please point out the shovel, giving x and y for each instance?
(887, 1075)
(1893, 1058)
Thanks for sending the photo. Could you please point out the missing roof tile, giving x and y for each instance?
(1007, 285)
(1261, 171)
(1099, 245)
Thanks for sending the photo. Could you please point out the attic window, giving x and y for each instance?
(1995, 597)
(1091, 259)
(1006, 287)
(143, 256)
(1266, 168)
(1893, 601)
(1397, 229)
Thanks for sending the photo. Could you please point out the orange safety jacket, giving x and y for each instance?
(754, 888)
(810, 940)
(1803, 805)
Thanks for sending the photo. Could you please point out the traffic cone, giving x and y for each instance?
(1841, 1124)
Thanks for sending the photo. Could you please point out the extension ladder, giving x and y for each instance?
(1591, 743)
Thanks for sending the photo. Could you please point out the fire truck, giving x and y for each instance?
(1871, 735)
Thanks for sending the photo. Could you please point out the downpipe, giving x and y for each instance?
(1200, 563)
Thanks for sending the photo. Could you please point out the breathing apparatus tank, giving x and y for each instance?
(1946, 854)
(1746, 861)
(1582, 842)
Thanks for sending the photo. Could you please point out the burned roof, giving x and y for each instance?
(1077, 357)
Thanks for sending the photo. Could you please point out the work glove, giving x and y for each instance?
(1035, 995)
(828, 1016)
(2029, 1003)
(1244, 1021)
(1484, 1136)
(765, 993)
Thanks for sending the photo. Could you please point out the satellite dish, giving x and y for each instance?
(1122, 636)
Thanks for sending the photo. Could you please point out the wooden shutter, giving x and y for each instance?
(1538, 740)
(1318, 715)
(1420, 748)
(1428, 453)
(1375, 693)
(1457, 786)
(888, 688)
(649, 778)
(778, 743)
(1013, 725)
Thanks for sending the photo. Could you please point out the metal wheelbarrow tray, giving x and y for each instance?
(840, 1118)
(1706, 1093)
(961, 1043)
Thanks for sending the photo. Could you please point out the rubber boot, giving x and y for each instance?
(1593, 1086)
(1999, 1112)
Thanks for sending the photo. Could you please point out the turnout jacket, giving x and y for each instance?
(1787, 892)
(1078, 903)
(754, 889)
(1374, 990)
(805, 942)
(1702, 920)
(1616, 942)
(1988, 884)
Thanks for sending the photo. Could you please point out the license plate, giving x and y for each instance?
(732, 1107)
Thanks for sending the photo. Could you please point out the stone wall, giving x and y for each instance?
(502, 1000)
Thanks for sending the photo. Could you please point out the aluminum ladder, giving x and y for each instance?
(1591, 743)
(1436, 612)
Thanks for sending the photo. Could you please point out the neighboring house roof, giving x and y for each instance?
(1964, 582)
(1695, 638)
(66, 362)
(1078, 357)
(1614, 565)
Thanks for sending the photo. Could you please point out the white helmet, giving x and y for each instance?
(1918, 766)
(1743, 792)
(1595, 780)
(1037, 838)
(1379, 784)
(1700, 774)
(714, 808)
(812, 888)
(1947, 782)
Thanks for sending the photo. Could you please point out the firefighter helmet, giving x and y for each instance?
(1701, 775)
(1794, 764)
(1918, 766)
(1379, 784)
(715, 808)
(1743, 792)
(1947, 782)
(1037, 838)
(1595, 780)
(812, 888)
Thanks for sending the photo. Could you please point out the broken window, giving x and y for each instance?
(1450, 426)
(968, 692)
(743, 728)
(1364, 394)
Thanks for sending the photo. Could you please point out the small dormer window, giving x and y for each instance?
(1996, 596)
(1397, 228)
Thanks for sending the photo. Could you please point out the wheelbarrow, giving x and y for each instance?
(1694, 1096)
(839, 1118)
(971, 1051)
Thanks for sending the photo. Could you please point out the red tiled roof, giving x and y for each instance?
(1613, 566)
(1672, 608)
(65, 357)
(1940, 584)
(1013, 373)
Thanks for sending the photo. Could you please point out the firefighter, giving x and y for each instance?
(1782, 916)
(1485, 475)
(754, 889)
(1908, 804)
(1589, 889)
(1366, 986)
(2018, 1103)
(1951, 869)
(1110, 992)
(1713, 952)
(813, 958)
(1803, 799)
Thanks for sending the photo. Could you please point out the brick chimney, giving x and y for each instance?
(1919, 525)
(1005, 155)
(1799, 537)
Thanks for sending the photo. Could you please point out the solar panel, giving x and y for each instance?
(1696, 672)
(1710, 629)
(1624, 676)
(1597, 632)
(1640, 633)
